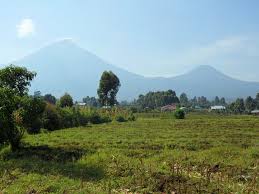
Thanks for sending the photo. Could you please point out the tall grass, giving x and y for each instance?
(200, 154)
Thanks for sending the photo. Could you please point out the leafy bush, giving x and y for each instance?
(179, 114)
(51, 118)
(83, 118)
(68, 117)
(131, 117)
(32, 111)
(35, 126)
(106, 119)
(120, 118)
(96, 118)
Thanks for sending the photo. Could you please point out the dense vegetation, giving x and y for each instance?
(155, 100)
(201, 154)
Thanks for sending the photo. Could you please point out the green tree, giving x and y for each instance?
(66, 101)
(194, 101)
(184, 99)
(250, 104)
(9, 118)
(51, 118)
(108, 88)
(216, 101)
(33, 108)
(239, 106)
(50, 99)
(222, 101)
(179, 114)
(16, 78)
(14, 83)
(203, 102)
(91, 101)
(157, 99)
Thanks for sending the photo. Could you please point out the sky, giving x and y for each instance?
(148, 37)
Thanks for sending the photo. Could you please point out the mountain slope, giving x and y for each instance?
(64, 67)
(209, 82)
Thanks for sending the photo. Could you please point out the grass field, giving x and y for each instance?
(155, 154)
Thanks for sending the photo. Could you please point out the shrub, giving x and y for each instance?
(32, 111)
(68, 117)
(51, 118)
(131, 117)
(120, 118)
(35, 126)
(106, 119)
(83, 119)
(179, 114)
(96, 118)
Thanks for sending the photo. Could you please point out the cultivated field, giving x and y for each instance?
(155, 154)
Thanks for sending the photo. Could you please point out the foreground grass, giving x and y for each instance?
(201, 154)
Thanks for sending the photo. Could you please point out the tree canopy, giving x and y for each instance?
(16, 78)
(14, 83)
(157, 99)
(108, 88)
(66, 100)
(50, 99)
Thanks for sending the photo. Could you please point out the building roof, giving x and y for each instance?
(255, 112)
(81, 104)
(169, 107)
(217, 107)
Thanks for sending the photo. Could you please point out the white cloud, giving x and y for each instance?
(25, 28)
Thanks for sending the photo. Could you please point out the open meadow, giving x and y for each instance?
(154, 154)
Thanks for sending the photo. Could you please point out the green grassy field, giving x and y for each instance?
(201, 154)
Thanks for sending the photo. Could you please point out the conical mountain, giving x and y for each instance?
(63, 66)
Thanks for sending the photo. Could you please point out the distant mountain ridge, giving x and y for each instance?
(65, 67)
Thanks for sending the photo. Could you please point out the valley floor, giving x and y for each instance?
(201, 154)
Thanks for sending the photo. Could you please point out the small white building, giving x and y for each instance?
(218, 108)
(81, 104)
(255, 112)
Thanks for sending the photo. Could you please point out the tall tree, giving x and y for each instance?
(239, 106)
(50, 99)
(203, 102)
(9, 117)
(157, 99)
(184, 99)
(108, 88)
(222, 101)
(14, 83)
(216, 101)
(66, 100)
(250, 104)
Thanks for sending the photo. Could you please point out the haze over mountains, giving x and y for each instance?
(65, 67)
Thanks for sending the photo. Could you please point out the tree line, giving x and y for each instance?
(155, 100)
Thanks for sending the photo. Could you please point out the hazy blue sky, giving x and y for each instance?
(149, 37)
